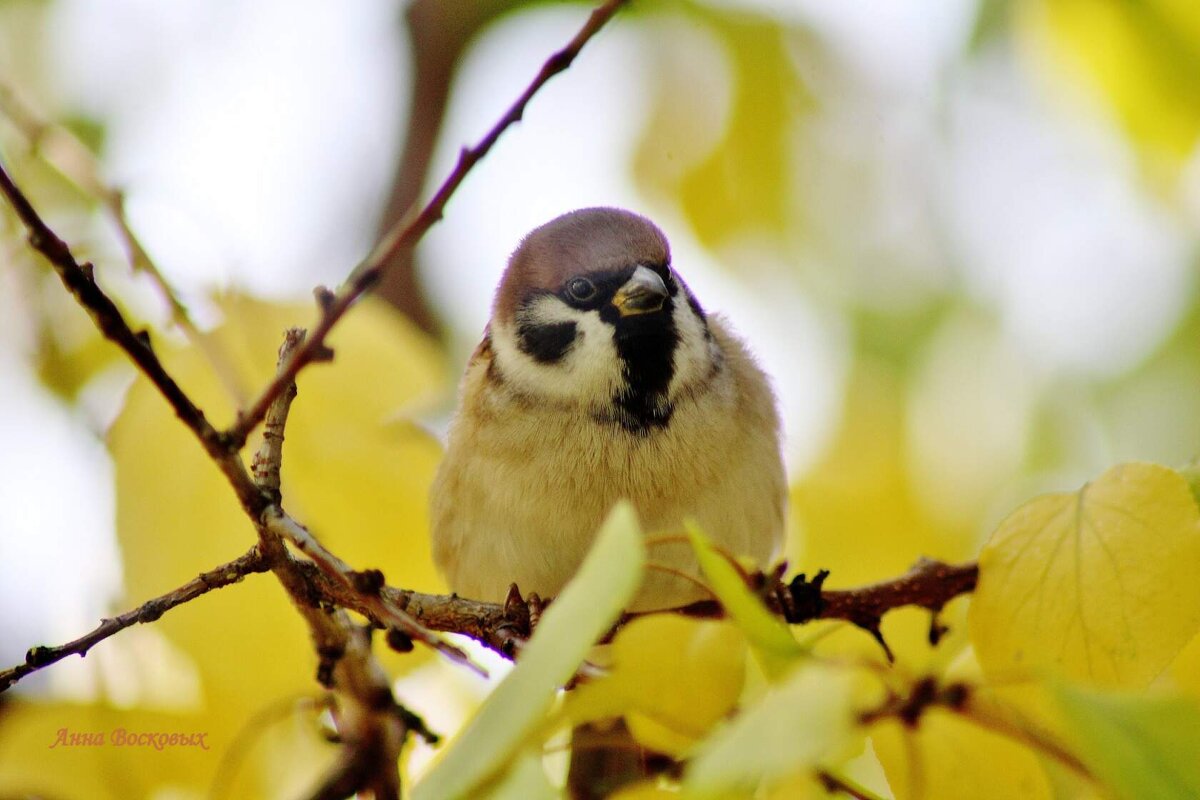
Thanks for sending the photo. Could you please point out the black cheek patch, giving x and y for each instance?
(546, 343)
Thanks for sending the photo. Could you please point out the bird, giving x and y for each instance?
(600, 377)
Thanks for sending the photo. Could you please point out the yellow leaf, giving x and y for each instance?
(348, 470)
(737, 188)
(1185, 669)
(772, 640)
(808, 720)
(947, 757)
(1142, 56)
(66, 366)
(581, 614)
(672, 676)
(1097, 585)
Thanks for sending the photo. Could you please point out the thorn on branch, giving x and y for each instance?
(415, 723)
(143, 336)
(520, 617)
(368, 581)
(936, 629)
(325, 298)
(399, 641)
(328, 658)
(871, 626)
(804, 597)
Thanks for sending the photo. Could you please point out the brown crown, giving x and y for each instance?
(579, 242)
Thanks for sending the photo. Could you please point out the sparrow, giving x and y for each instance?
(601, 377)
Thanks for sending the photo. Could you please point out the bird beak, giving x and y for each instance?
(643, 293)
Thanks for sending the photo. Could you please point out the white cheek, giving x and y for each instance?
(695, 353)
(591, 371)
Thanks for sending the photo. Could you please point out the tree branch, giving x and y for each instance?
(81, 282)
(409, 229)
(371, 733)
(438, 34)
(502, 627)
(79, 166)
(249, 562)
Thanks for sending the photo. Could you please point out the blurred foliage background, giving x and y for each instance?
(961, 235)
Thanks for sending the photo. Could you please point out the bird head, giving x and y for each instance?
(591, 313)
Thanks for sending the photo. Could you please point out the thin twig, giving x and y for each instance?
(371, 733)
(357, 585)
(38, 657)
(79, 166)
(681, 575)
(1024, 732)
(80, 282)
(276, 526)
(409, 229)
(223, 447)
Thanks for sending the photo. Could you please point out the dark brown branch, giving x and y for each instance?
(38, 657)
(926, 693)
(409, 229)
(371, 734)
(261, 502)
(438, 34)
(929, 584)
(504, 626)
(81, 282)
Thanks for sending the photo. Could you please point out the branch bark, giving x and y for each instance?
(260, 504)
(232, 572)
(409, 229)
(372, 732)
(438, 33)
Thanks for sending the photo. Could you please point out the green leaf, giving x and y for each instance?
(585, 610)
(1097, 585)
(89, 130)
(993, 19)
(770, 638)
(1191, 474)
(1142, 748)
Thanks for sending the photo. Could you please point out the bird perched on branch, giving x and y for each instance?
(601, 377)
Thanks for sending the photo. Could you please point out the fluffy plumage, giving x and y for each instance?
(600, 377)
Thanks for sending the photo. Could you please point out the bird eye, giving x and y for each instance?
(581, 289)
